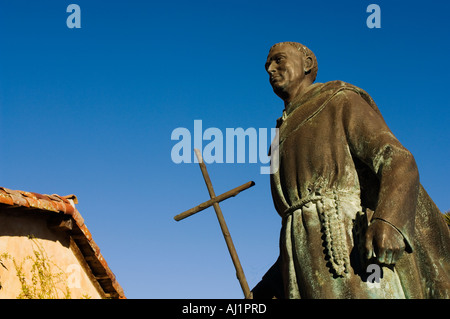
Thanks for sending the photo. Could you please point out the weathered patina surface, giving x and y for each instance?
(349, 195)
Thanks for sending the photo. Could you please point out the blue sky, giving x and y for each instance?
(90, 112)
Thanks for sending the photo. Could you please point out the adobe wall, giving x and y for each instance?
(14, 231)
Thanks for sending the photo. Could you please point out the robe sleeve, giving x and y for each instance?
(370, 139)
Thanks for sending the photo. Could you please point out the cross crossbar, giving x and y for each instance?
(216, 199)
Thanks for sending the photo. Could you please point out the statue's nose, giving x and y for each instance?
(271, 70)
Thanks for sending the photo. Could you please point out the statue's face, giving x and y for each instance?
(285, 67)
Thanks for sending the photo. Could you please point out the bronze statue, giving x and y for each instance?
(349, 196)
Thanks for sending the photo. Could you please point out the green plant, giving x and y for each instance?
(44, 280)
(3, 256)
(45, 283)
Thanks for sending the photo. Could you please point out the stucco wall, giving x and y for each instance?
(14, 231)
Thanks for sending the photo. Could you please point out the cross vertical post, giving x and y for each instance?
(226, 234)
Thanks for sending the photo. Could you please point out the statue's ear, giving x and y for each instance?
(308, 64)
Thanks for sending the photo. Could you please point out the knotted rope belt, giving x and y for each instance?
(331, 217)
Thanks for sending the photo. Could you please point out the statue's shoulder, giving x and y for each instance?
(320, 93)
(338, 85)
(341, 86)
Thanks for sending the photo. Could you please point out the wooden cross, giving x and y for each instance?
(214, 201)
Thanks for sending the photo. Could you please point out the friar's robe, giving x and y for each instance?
(340, 168)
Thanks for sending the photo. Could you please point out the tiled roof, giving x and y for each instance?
(79, 232)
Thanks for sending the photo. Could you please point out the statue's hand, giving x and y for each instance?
(385, 241)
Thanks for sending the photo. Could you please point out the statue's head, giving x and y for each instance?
(291, 67)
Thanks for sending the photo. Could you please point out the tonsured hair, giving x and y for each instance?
(306, 53)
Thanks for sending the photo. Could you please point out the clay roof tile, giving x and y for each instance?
(66, 205)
